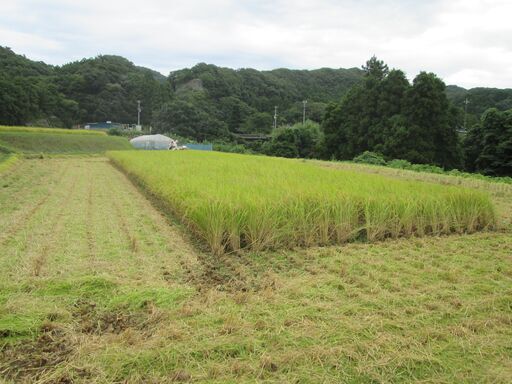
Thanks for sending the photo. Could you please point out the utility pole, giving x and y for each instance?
(138, 112)
(304, 102)
(466, 102)
(275, 117)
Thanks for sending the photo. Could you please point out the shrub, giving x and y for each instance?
(368, 157)
(115, 132)
(399, 164)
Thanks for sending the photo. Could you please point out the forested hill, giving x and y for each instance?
(243, 100)
(479, 100)
(204, 102)
(97, 89)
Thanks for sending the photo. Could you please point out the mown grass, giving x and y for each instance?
(97, 287)
(7, 160)
(240, 201)
(26, 142)
(5, 128)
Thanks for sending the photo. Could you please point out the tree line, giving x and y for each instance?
(350, 111)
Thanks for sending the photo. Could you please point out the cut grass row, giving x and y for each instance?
(235, 202)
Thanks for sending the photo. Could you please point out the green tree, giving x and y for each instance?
(187, 119)
(299, 140)
(432, 123)
(375, 68)
(495, 158)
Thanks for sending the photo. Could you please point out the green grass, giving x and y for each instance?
(239, 201)
(7, 160)
(96, 286)
(60, 143)
(5, 128)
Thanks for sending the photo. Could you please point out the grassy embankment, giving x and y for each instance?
(97, 287)
(239, 201)
(52, 141)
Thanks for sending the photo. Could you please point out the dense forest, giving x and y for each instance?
(349, 111)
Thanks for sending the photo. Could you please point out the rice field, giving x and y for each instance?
(233, 202)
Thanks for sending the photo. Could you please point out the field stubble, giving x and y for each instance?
(121, 296)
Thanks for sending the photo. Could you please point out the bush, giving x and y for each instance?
(427, 168)
(231, 148)
(400, 164)
(299, 140)
(368, 157)
(115, 132)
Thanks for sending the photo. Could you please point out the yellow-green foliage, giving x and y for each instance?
(238, 201)
(4, 128)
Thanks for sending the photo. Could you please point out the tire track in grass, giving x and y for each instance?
(202, 270)
(25, 217)
(42, 237)
(24, 176)
(131, 240)
(56, 228)
(91, 247)
(45, 233)
(14, 195)
(177, 258)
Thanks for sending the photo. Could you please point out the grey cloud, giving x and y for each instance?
(463, 41)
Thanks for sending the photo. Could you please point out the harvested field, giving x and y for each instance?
(97, 286)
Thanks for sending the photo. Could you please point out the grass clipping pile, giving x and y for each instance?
(235, 202)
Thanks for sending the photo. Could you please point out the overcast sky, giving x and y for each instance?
(466, 42)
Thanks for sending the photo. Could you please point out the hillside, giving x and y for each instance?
(202, 102)
(97, 89)
(480, 99)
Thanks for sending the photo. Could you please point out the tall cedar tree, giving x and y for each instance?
(385, 114)
(495, 157)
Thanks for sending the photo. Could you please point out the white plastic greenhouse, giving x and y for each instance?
(153, 142)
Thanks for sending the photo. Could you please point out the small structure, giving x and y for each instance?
(199, 147)
(158, 142)
(103, 125)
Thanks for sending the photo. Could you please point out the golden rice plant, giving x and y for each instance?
(235, 202)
